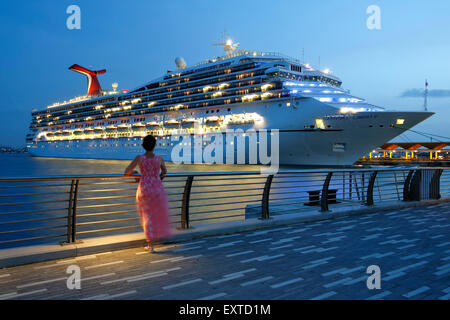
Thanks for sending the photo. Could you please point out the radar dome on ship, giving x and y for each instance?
(181, 64)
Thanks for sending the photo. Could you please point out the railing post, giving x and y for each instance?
(265, 198)
(74, 211)
(69, 214)
(324, 196)
(343, 185)
(185, 203)
(350, 185)
(355, 180)
(435, 185)
(363, 182)
(415, 185)
(411, 189)
(369, 200)
(406, 185)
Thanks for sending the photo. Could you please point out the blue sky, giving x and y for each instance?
(138, 40)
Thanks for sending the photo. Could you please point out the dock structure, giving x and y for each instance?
(298, 234)
(430, 153)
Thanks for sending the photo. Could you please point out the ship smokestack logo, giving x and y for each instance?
(94, 87)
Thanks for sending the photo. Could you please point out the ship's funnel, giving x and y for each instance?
(94, 87)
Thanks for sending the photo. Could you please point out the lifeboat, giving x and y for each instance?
(111, 129)
(138, 127)
(50, 134)
(58, 133)
(241, 122)
(188, 123)
(78, 132)
(88, 131)
(98, 130)
(122, 128)
(213, 121)
(172, 124)
(152, 125)
(66, 133)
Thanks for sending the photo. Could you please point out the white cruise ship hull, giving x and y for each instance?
(344, 139)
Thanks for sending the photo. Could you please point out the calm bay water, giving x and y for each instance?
(23, 165)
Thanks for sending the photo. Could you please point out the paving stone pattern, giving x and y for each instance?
(319, 260)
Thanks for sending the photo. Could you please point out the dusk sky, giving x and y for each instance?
(137, 41)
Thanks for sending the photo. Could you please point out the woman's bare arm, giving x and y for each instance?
(162, 165)
(130, 168)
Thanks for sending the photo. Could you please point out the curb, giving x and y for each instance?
(33, 254)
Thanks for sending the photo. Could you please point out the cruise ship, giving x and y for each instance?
(238, 96)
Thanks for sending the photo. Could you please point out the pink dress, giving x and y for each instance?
(151, 200)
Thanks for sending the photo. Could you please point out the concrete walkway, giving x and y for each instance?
(316, 260)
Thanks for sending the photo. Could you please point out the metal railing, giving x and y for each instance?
(69, 208)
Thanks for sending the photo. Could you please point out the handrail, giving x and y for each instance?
(211, 173)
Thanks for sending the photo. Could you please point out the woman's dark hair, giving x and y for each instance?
(149, 143)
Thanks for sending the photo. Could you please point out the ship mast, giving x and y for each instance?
(227, 44)
(425, 95)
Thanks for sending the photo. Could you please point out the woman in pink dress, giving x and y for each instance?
(151, 198)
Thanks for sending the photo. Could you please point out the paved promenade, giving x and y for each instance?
(319, 260)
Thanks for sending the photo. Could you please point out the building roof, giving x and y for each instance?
(415, 145)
